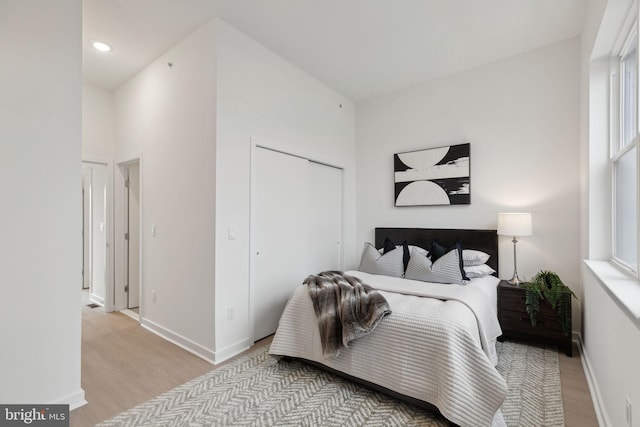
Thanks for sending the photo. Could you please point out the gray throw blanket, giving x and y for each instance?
(345, 309)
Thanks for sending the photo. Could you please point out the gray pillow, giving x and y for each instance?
(445, 269)
(389, 264)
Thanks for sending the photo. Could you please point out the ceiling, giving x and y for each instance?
(361, 48)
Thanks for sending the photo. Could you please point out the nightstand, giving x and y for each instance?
(515, 322)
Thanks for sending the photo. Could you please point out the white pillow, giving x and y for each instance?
(472, 257)
(478, 270)
(389, 264)
(445, 269)
(421, 251)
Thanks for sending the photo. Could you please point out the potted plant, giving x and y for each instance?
(546, 285)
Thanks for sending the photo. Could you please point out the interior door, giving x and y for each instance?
(100, 176)
(86, 227)
(133, 253)
(280, 234)
(95, 179)
(325, 217)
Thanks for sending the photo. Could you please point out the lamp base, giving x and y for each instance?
(515, 280)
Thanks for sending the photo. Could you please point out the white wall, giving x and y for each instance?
(98, 127)
(611, 340)
(521, 116)
(166, 114)
(40, 183)
(265, 98)
(594, 124)
(612, 351)
(192, 123)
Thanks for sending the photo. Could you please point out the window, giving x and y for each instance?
(624, 154)
(628, 92)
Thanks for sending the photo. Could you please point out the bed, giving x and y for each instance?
(436, 348)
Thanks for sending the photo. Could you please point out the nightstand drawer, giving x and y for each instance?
(519, 321)
(514, 299)
(516, 324)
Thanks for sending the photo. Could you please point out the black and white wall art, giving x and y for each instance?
(435, 176)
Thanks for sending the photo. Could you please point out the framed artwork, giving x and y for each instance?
(435, 176)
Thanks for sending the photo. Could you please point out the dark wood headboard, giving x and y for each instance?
(481, 240)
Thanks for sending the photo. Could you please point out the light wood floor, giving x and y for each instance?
(578, 406)
(123, 365)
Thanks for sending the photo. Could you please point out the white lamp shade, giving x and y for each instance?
(514, 224)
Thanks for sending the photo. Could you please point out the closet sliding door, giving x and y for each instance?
(324, 217)
(279, 234)
(296, 221)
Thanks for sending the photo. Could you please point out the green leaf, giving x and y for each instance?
(532, 302)
(548, 285)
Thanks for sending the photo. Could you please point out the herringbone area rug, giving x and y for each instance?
(257, 391)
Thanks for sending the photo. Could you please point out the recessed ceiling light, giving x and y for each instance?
(101, 46)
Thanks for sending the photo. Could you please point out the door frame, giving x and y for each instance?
(87, 235)
(118, 297)
(131, 235)
(109, 224)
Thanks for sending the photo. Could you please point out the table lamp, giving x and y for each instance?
(515, 225)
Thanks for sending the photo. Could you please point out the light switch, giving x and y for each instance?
(153, 230)
(232, 233)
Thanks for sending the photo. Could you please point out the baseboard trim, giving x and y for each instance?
(232, 350)
(135, 316)
(596, 396)
(74, 400)
(96, 299)
(177, 339)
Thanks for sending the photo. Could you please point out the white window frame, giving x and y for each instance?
(617, 151)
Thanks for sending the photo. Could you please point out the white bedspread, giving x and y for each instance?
(479, 296)
(428, 349)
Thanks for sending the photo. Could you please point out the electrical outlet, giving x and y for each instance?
(627, 404)
(230, 313)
